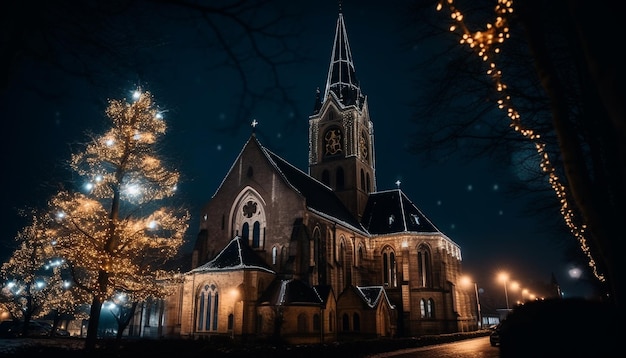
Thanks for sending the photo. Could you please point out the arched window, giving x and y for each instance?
(342, 263)
(256, 234)
(427, 308)
(331, 320)
(345, 325)
(356, 322)
(424, 266)
(231, 321)
(316, 322)
(431, 308)
(245, 232)
(389, 267)
(316, 257)
(274, 255)
(248, 215)
(360, 256)
(345, 262)
(340, 179)
(208, 301)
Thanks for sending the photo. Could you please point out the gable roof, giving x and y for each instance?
(391, 211)
(319, 198)
(290, 292)
(372, 295)
(237, 255)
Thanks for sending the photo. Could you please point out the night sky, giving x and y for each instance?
(47, 112)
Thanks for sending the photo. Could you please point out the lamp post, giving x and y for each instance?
(504, 277)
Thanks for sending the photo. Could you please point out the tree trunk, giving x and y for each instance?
(94, 321)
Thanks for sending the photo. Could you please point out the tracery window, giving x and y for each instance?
(249, 217)
(208, 301)
(427, 308)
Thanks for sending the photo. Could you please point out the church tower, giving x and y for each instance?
(341, 134)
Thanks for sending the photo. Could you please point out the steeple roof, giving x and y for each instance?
(341, 78)
(390, 211)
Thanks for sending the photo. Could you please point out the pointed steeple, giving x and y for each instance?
(341, 75)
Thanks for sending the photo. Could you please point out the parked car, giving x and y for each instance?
(494, 336)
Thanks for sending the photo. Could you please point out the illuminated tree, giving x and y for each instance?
(115, 237)
(32, 281)
(541, 64)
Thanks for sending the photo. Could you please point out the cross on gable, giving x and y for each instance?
(254, 123)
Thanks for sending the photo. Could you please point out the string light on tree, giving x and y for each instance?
(485, 43)
(115, 235)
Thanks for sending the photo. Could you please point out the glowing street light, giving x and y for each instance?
(504, 277)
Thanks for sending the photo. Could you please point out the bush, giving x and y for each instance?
(560, 328)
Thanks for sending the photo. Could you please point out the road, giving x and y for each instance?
(468, 348)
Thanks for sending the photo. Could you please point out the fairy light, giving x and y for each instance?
(106, 232)
(485, 44)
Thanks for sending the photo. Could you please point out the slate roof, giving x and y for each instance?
(389, 212)
(319, 197)
(236, 255)
(290, 292)
(341, 80)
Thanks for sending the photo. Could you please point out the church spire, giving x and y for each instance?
(341, 78)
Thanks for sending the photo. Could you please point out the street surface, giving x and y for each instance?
(468, 348)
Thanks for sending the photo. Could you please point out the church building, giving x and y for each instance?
(318, 255)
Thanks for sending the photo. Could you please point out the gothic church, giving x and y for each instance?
(319, 256)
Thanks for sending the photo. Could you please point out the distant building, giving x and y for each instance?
(318, 256)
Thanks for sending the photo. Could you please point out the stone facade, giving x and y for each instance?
(319, 257)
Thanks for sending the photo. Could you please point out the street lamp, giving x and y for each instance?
(504, 277)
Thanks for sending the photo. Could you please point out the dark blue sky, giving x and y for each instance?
(465, 199)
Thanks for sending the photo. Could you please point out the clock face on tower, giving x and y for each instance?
(363, 145)
(332, 141)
